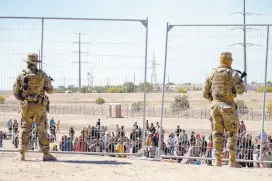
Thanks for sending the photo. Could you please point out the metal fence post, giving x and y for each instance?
(42, 35)
(168, 28)
(264, 94)
(145, 75)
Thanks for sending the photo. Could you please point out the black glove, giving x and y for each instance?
(243, 74)
(50, 78)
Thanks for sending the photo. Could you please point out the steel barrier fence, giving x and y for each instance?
(151, 111)
(183, 147)
(190, 45)
(193, 50)
(80, 54)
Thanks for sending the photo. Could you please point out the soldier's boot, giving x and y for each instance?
(232, 162)
(49, 157)
(218, 159)
(218, 162)
(22, 156)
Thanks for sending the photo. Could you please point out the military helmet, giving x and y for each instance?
(226, 55)
(32, 58)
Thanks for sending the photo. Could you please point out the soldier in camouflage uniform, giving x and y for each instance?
(221, 87)
(29, 89)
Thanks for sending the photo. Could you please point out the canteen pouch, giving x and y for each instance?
(46, 103)
(24, 107)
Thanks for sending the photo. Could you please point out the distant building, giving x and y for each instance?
(187, 87)
(71, 86)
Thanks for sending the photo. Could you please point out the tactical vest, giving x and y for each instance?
(222, 84)
(32, 85)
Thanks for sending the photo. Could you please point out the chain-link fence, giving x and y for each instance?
(82, 55)
(151, 111)
(191, 51)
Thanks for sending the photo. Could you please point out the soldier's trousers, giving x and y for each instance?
(37, 113)
(224, 117)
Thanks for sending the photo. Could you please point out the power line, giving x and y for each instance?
(79, 42)
(245, 44)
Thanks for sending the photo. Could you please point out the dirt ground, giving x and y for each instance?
(251, 99)
(86, 167)
(201, 126)
(102, 168)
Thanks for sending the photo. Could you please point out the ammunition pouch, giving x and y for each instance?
(35, 99)
(32, 98)
(24, 107)
(211, 120)
(46, 103)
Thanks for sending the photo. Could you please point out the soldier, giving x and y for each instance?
(221, 87)
(29, 89)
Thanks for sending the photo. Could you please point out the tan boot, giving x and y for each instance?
(218, 163)
(49, 157)
(234, 164)
(22, 156)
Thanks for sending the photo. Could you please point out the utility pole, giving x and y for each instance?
(64, 81)
(245, 44)
(154, 71)
(245, 50)
(79, 42)
(126, 86)
(134, 82)
(90, 78)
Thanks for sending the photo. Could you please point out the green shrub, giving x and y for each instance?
(261, 89)
(269, 107)
(2, 100)
(137, 106)
(100, 101)
(181, 90)
(241, 107)
(180, 103)
(115, 90)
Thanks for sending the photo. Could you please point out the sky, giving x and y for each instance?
(116, 50)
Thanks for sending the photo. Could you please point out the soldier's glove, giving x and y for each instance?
(243, 74)
(50, 78)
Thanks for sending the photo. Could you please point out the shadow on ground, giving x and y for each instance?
(95, 162)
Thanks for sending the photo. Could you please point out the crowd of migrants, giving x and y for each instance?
(98, 139)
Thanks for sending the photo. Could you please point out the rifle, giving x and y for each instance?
(243, 74)
(50, 78)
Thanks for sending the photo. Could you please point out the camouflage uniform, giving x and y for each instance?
(29, 88)
(220, 87)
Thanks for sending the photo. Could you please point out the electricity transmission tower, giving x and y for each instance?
(90, 78)
(79, 42)
(154, 71)
(245, 44)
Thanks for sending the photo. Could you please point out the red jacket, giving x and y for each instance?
(81, 145)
